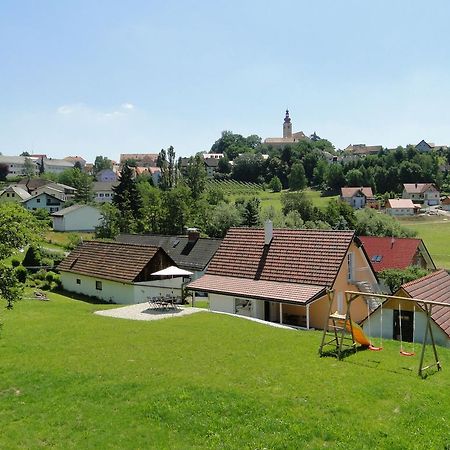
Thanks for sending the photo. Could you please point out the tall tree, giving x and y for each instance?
(101, 163)
(251, 212)
(196, 176)
(18, 228)
(175, 209)
(29, 168)
(127, 199)
(4, 170)
(297, 177)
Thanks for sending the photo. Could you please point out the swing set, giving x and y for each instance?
(339, 326)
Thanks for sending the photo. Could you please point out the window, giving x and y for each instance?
(376, 258)
(38, 200)
(13, 195)
(78, 281)
(350, 275)
(101, 195)
(98, 285)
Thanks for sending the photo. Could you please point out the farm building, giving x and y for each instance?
(426, 193)
(76, 218)
(401, 207)
(45, 201)
(13, 194)
(357, 197)
(283, 275)
(385, 320)
(115, 272)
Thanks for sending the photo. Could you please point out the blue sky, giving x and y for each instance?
(108, 77)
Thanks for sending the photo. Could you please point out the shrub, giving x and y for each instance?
(50, 276)
(15, 262)
(73, 241)
(32, 257)
(47, 262)
(40, 274)
(21, 274)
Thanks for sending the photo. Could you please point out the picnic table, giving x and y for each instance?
(164, 302)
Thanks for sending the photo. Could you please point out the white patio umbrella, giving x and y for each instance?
(172, 271)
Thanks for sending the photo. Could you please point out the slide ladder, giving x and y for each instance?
(338, 335)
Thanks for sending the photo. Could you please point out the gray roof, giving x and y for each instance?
(22, 193)
(12, 159)
(43, 193)
(58, 162)
(187, 255)
(70, 209)
(103, 185)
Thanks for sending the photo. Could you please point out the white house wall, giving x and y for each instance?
(113, 291)
(83, 219)
(221, 303)
(388, 327)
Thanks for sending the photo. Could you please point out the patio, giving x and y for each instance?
(142, 311)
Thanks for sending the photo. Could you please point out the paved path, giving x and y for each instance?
(142, 311)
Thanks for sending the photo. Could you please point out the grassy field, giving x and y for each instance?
(435, 232)
(62, 239)
(269, 198)
(71, 379)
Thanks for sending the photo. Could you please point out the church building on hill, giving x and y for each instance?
(288, 136)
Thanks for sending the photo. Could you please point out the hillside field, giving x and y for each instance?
(435, 232)
(71, 379)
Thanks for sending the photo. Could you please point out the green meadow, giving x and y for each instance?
(435, 232)
(72, 379)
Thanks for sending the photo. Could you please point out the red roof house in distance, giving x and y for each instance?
(283, 275)
(357, 197)
(433, 287)
(396, 253)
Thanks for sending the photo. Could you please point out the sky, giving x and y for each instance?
(108, 77)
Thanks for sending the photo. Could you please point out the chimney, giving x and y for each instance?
(193, 235)
(268, 232)
(392, 242)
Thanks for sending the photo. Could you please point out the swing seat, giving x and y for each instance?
(375, 349)
(403, 353)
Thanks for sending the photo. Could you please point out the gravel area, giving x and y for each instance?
(142, 311)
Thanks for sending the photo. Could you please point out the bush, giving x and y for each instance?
(15, 262)
(32, 257)
(47, 262)
(50, 276)
(73, 241)
(21, 274)
(275, 184)
(40, 274)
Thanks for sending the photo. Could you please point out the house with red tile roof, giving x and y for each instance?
(117, 272)
(396, 253)
(426, 193)
(432, 287)
(357, 197)
(283, 275)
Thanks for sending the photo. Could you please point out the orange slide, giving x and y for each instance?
(358, 333)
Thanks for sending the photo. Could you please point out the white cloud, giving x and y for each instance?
(82, 110)
(65, 109)
(128, 106)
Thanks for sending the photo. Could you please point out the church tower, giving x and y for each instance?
(287, 126)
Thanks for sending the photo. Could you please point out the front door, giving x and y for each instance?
(407, 325)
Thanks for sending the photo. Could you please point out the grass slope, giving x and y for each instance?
(73, 379)
(435, 233)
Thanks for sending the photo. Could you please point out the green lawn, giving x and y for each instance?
(71, 379)
(62, 239)
(435, 232)
(269, 198)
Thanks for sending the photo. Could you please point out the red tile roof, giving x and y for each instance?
(109, 260)
(402, 203)
(396, 253)
(434, 287)
(295, 256)
(259, 289)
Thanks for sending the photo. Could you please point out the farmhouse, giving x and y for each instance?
(426, 193)
(116, 272)
(401, 207)
(46, 201)
(396, 253)
(103, 191)
(13, 194)
(357, 197)
(76, 218)
(385, 320)
(283, 275)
